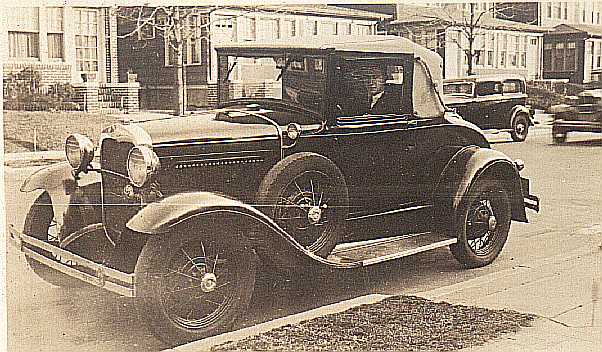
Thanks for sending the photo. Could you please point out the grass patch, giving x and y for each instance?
(51, 128)
(401, 323)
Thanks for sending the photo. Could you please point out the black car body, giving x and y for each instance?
(491, 102)
(585, 115)
(351, 162)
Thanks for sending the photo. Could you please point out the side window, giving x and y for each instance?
(427, 103)
(513, 86)
(370, 87)
(488, 88)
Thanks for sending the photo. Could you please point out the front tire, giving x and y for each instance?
(483, 223)
(193, 287)
(520, 128)
(559, 138)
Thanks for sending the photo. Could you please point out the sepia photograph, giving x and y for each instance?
(301, 175)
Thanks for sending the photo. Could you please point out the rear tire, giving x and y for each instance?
(520, 128)
(483, 223)
(192, 287)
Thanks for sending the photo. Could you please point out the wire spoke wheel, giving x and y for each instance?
(193, 286)
(484, 223)
(303, 209)
(306, 195)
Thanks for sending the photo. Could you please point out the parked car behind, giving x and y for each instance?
(585, 115)
(491, 102)
(327, 156)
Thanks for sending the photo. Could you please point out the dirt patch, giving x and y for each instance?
(401, 323)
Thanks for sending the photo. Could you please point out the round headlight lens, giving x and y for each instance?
(142, 162)
(79, 150)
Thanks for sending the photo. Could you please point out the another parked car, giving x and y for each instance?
(326, 156)
(491, 102)
(584, 116)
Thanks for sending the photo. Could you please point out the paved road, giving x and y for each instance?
(567, 178)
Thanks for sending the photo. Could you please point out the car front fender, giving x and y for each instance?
(224, 219)
(519, 109)
(463, 169)
(62, 187)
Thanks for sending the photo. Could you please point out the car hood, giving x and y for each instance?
(210, 126)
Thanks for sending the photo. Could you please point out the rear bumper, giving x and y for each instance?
(79, 268)
(530, 201)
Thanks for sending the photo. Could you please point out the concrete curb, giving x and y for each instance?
(208, 343)
(435, 294)
(58, 155)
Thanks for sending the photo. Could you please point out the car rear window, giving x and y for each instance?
(513, 86)
(488, 88)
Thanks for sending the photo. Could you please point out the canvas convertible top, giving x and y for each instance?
(386, 44)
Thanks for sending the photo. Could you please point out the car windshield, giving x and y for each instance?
(299, 79)
(462, 88)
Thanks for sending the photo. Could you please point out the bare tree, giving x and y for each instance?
(176, 25)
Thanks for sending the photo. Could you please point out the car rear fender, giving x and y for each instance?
(519, 109)
(223, 219)
(466, 166)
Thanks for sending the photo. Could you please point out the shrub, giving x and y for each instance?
(23, 91)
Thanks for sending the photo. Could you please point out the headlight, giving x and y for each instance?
(142, 162)
(79, 150)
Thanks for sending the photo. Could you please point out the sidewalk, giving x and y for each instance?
(564, 291)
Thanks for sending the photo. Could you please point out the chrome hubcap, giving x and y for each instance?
(208, 282)
(314, 214)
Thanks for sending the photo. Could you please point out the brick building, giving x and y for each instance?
(61, 43)
(147, 55)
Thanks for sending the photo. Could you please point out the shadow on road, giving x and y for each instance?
(581, 143)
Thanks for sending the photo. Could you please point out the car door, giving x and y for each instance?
(371, 132)
(488, 99)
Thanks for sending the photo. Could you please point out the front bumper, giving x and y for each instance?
(530, 201)
(80, 268)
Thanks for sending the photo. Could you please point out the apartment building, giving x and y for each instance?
(500, 46)
(66, 44)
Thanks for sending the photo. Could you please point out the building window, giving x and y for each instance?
(336, 28)
(55, 32)
(565, 10)
(348, 28)
(86, 40)
(548, 9)
(23, 33)
(251, 29)
(291, 27)
(315, 28)
(557, 10)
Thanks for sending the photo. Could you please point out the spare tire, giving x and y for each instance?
(306, 194)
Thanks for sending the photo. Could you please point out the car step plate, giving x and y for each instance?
(381, 250)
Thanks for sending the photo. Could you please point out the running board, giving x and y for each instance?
(381, 250)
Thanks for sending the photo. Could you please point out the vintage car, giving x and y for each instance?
(584, 116)
(491, 102)
(319, 158)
